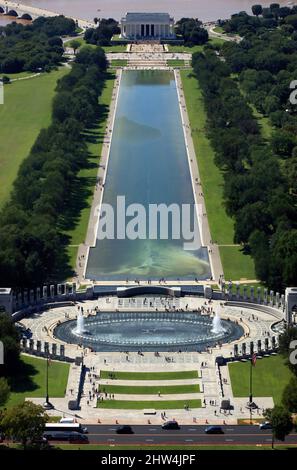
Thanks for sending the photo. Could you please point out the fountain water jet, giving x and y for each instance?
(80, 325)
(217, 326)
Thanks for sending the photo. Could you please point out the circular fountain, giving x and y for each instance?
(148, 331)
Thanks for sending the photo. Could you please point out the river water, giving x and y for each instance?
(148, 164)
(205, 10)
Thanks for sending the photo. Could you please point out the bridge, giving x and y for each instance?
(19, 10)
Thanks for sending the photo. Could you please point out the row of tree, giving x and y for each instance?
(43, 203)
(257, 193)
(101, 36)
(34, 47)
(192, 32)
(268, 17)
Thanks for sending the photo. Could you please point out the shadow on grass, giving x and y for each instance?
(23, 381)
(82, 186)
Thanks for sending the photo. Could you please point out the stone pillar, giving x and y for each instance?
(271, 298)
(31, 345)
(44, 292)
(24, 343)
(244, 292)
(277, 299)
(259, 345)
(273, 342)
(52, 291)
(54, 349)
(235, 350)
(62, 351)
(265, 296)
(259, 295)
(252, 293)
(59, 289)
(32, 300)
(38, 347)
(25, 297)
(46, 348)
(244, 349)
(38, 294)
(251, 347)
(266, 344)
(237, 291)
(283, 302)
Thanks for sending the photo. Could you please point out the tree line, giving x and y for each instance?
(34, 47)
(257, 191)
(33, 223)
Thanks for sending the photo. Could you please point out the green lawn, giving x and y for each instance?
(30, 380)
(186, 374)
(26, 110)
(192, 50)
(150, 390)
(115, 48)
(119, 63)
(140, 405)
(270, 376)
(234, 262)
(87, 177)
(237, 266)
(221, 226)
(175, 63)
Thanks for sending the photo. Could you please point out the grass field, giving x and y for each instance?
(187, 374)
(237, 265)
(119, 63)
(192, 50)
(270, 376)
(87, 177)
(221, 225)
(140, 405)
(175, 63)
(26, 110)
(150, 390)
(30, 381)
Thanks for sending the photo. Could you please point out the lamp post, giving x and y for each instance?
(47, 404)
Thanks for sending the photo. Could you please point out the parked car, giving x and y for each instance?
(265, 425)
(214, 430)
(124, 430)
(171, 425)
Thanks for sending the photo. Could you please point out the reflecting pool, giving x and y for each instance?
(148, 164)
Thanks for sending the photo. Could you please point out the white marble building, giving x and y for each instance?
(147, 26)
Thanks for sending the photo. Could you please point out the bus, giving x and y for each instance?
(66, 427)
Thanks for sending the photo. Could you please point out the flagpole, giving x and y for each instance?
(46, 386)
(251, 389)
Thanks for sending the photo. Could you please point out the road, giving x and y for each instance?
(187, 435)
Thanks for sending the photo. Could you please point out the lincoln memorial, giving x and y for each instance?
(147, 26)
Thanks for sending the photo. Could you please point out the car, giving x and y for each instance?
(265, 425)
(214, 430)
(74, 437)
(124, 430)
(171, 425)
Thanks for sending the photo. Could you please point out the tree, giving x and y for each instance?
(4, 391)
(75, 44)
(24, 422)
(257, 10)
(290, 395)
(281, 422)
